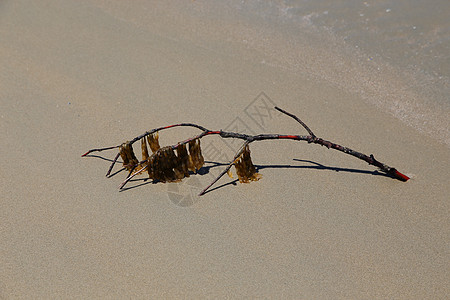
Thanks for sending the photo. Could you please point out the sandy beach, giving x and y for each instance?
(320, 224)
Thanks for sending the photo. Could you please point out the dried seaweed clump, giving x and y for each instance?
(245, 169)
(196, 160)
(183, 163)
(130, 162)
(129, 159)
(161, 165)
(164, 164)
(153, 141)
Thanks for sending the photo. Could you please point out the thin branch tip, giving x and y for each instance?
(400, 176)
(296, 119)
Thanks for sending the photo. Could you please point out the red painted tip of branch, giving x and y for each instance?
(401, 176)
(85, 154)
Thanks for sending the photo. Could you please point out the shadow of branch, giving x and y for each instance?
(318, 166)
(212, 164)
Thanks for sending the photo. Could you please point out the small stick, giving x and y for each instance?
(112, 165)
(132, 175)
(226, 169)
(296, 119)
(99, 149)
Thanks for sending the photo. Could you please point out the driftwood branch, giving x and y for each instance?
(164, 165)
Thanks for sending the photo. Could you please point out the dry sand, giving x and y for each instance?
(320, 224)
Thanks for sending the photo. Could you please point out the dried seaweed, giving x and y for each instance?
(184, 160)
(245, 169)
(161, 165)
(128, 157)
(196, 160)
(153, 141)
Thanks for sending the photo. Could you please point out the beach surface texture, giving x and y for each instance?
(319, 224)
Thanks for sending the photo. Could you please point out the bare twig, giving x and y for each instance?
(112, 165)
(296, 119)
(226, 169)
(165, 165)
(133, 175)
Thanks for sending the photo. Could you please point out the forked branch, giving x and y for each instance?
(175, 162)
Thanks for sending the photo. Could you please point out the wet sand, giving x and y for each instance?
(319, 224)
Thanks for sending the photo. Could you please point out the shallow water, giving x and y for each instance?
(394, 54)
(413, 34)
